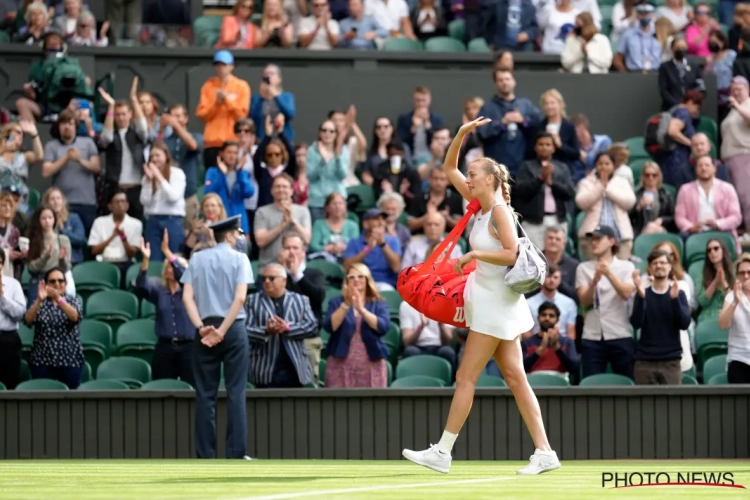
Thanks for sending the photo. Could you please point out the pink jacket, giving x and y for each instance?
(726, 206)
(696, 48)
(589, 199)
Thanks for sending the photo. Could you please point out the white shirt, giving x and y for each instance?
(320, 41)
(169, 198)
(103, 228)
(735, 133)
(416, 250)
(551, 21)
(706, 204)
(128, 173)
(739, 332)
(608, 319)
(389, 14)
(411, 318)
(12, 304)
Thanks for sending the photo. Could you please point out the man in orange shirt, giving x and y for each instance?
(224, 100)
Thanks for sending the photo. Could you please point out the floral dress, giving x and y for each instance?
(57, 341)
(356, 370)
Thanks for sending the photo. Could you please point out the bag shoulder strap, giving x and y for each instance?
(451, 240)
(519, 229)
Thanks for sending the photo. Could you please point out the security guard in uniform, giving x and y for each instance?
(214, 291)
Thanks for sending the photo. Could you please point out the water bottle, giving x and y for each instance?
(512, 131)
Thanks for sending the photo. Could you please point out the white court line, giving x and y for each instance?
(304, 494)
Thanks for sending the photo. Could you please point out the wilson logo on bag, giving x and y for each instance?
(434, 288)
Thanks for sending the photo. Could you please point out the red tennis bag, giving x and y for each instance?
(434, 288)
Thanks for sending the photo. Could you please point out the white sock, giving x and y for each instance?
(446, 442)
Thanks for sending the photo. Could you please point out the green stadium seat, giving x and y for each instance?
(334, 272)
(689, 380)
(444, 44)
(147, 310)
(206, 30)
(394, 301)
(606, 379)
(709, 127)
(671, 190)
(490, 381)
(2, 387)
(34, 198)
(366, 196)
(714, 366)
(25, 279)
(354, 218)
(137, 338)
(4, 37)
(86, 373)
(103, 385)
(331, 293)
(94, 276)
(546, 380)
(637, 148)
(133, 371)
(27, 337)
(414, 381)
(695, 246)
(167, 384)
(394, 335)
(478, 45)
(579, 222)
(96, 339)
(114, 307)
(696, 272)
(718, 379)
(644, 243)
(710, 340)
(25, 371)
(457, 29)
(425, 364)
(41, 384)
(402, 45)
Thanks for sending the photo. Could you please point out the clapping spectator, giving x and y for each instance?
(68, 223)
(591, 144)
(421, 246)
(623, 18)
(721, 65)
(319, 31)
(115, 238)
(675, 163)
(563, 133)
(276, 30)
(57, 352)
(379, 252)
(327, 166)
(606, 199)
(699, 31)
(707, 204)
(717, 279)
(237, 30)
(224, 100)
(199, 236)
(47, 249)
(357, 322)
(428, 19)
(173, 353)
(246, 138)
(654, 208)
(735, 146)
(549, 350)
(9, 239)
(359, 31)
(660, 311)
(37, 25)
(272, 100)
(124, 139)
(163, 200)
(438, 198)
(392, 15)
(347, 127)
(512, 25)
(186, 149)
(274, 220)
(415, 128)
(273, 157)
(586, 50)
(678, 13)
(620, 155)
(231, 182)
(85, 34)
(550, 292)
(735, 316)
(331, 234)
(638, 49)
(677, 75)
(150, 108)
(14, 162)
(396, 175)
(73, 163)
(556, 20)
(543, 188)
(392, 205)
(65, 24)
(12, 309)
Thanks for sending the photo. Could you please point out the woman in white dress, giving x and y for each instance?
(495, 314)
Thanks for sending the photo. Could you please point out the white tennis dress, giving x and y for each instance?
(490, 307)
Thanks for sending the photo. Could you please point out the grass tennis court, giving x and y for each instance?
(339, 480)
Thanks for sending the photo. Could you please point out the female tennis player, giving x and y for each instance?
(495, 314)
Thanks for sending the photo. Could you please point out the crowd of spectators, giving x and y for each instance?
(581, 196)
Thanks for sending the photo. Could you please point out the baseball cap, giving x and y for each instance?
(223, 57)
(374, 213)
(645, 8)
(11, 190)
(600, 231)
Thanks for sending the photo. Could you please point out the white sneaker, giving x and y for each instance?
(541, 461)
(432, 458)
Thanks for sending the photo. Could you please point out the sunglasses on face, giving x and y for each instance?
(273, 154)
(328, 130)
(355, 277)
(319, 4)
(650, 174)
(55, 282)
(245, 131)
(704, 12)
(713, 249)
(247, 6)
(382, 125)
(743, 273)
(269, 278)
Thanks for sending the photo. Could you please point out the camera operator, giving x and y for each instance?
(548, 351)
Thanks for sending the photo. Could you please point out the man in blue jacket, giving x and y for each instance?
(513, 119)
(510, 25)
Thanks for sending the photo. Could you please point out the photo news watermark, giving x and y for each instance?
(635, 479)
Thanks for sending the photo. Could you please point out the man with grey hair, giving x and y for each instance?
(278, 322)
(555, 240)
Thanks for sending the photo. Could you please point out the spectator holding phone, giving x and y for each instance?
(270, 101)
(359, 31)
